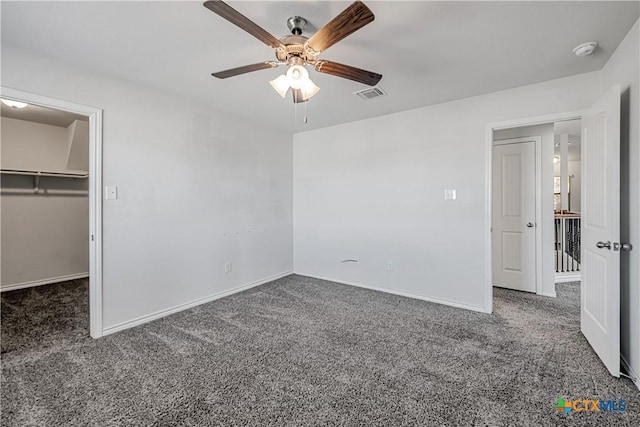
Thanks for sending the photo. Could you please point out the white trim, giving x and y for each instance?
(95, 222)
(403, 294)
(566, 278)
(627, 367)
(536, 139)
(488, 223)
(539, 241)
(537, 143)
(175, 309)
(544, 294)
(95, 192)
(489, 128)
(41, 282)
(536, 120)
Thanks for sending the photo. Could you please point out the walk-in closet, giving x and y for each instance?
(44, 211)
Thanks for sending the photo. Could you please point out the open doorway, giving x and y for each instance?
(51, 209)
(567, 204)
(599, 229)
(536, 180)
(522, 208)
(536, 186)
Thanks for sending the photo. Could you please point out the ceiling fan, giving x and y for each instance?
(296, 51)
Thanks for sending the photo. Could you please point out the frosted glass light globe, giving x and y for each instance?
(297, 76)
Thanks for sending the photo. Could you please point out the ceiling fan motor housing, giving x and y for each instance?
(294, 47)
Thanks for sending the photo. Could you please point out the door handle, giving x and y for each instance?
(529, 224)
(622, 246)
(606, 244)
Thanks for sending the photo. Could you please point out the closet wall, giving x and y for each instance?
(44, 219)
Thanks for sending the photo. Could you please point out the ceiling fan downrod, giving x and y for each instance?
(297, 25)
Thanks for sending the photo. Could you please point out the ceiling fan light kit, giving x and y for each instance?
(296, 76)
(297, 51)
(280, 85)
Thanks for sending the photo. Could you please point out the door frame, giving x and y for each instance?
(489, 128)
(95, 191)
(537, 143)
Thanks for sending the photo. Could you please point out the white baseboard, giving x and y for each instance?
(163, 313)
(403, 294)
(565, 278)
(631, 372)
(548, 294)
(41, 282)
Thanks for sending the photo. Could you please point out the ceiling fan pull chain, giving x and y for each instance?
(305, 110)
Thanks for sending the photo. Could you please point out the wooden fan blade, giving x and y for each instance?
(348, 72)
(349, 21)
(246, 69)
(230, 14)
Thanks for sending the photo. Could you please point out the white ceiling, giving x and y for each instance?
(428, 52)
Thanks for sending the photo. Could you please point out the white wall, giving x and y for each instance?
(623, 68)
(196, 188)
(34, 146)
(574, 171)
(45, 238)
(544, 131)
(78, 151)
(374, 189)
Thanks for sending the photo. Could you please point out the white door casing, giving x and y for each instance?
(95, 191)
(514, 215)
(600, 287)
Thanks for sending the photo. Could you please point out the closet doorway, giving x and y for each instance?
(51, 200)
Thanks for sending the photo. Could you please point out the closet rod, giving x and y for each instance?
(45, 192)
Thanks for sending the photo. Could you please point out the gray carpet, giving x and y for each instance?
(301, 351)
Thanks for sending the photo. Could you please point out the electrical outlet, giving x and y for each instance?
(389, 265)
(449, 194)
(227, 267)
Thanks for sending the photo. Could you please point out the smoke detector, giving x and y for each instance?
(585, 49)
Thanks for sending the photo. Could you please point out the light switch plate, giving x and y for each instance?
(449, 194)
(111, 192)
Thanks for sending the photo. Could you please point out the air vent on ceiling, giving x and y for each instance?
(372, 92)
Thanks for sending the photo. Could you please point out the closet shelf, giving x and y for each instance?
(60, 174)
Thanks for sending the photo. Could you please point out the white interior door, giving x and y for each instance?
(600, 293)
(514, 213)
